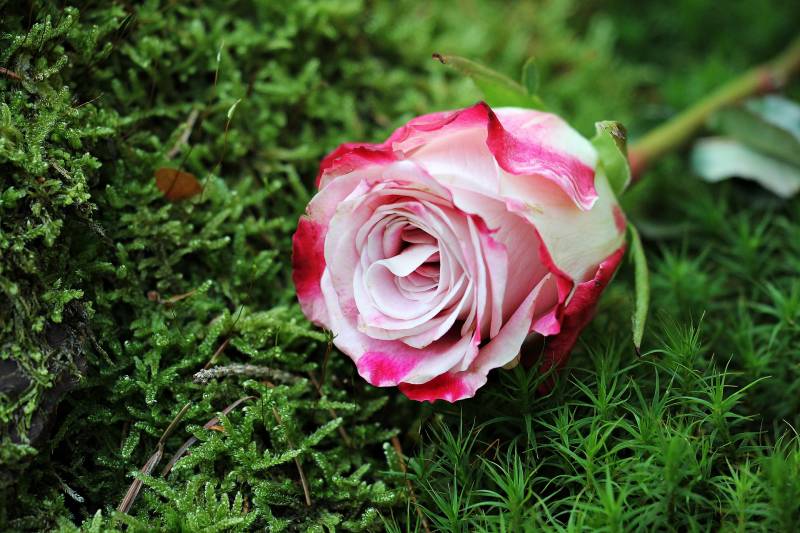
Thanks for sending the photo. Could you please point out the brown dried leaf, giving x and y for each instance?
(176, 184)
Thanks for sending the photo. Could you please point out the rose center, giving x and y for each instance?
(421, 251)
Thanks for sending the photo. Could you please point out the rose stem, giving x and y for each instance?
(766, 77)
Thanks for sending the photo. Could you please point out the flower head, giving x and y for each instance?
(433, 255)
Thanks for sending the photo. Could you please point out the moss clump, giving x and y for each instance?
(109, 282)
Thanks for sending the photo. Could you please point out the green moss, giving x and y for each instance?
(94, 252)
(113, 297)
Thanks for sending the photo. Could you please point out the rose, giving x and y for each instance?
(432, 256)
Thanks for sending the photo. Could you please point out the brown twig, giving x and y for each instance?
(297, 462)
(494, 444)
(87, 102)
(342, 432)
(224, 145)
(326, 358)
(188, 126)
(216, 353)
(398, 449)
(10, 73)
(178, 297)
(133, 491)
(191, 440)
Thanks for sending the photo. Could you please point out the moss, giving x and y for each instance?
(113, 284)
(114, 297)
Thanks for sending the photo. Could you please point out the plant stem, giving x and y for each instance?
(679, 129)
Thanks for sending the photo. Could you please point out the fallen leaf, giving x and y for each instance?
(176, 184)
(768, 125)
(716, 159)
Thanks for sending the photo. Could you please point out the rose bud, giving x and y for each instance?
(431, 257)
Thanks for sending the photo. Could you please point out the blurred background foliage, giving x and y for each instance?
(112, 297)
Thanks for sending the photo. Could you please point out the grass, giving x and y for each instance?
(115, 297)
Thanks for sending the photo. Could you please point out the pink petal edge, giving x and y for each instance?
(577, 314)
(308, 265)
(515, 154)
(451, 387)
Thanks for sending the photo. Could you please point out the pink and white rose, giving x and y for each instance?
(432, 256)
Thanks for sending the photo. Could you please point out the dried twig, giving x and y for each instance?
(178, 297)
(136, 486)
(342, 432)
(61, 170)
(398, 449)
(133, 491)
(188, 126)
(216, 353)
(72, 493)
(238, 369)
(10, 73)
(87, 102)
(326, 358)
(297, 462)
(495, 444)
(224, 144)
(191, 440)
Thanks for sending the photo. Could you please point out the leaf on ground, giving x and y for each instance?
(716, 159)
(176, 184)
(778, 111)
(769, 125)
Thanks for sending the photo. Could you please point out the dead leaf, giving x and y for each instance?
(176, 184)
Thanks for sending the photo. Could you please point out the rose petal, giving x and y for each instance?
(505, 346)
(408, 261)
(578, 312)
(308, 264)
(454, 386)
(522, 141)
(576, 240)
(351, 157)
(450, 387)
(531, 143)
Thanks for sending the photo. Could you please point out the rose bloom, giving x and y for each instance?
(432, 256)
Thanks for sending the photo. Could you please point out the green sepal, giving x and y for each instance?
(641, 282)
(498, 90)
(610, 141)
